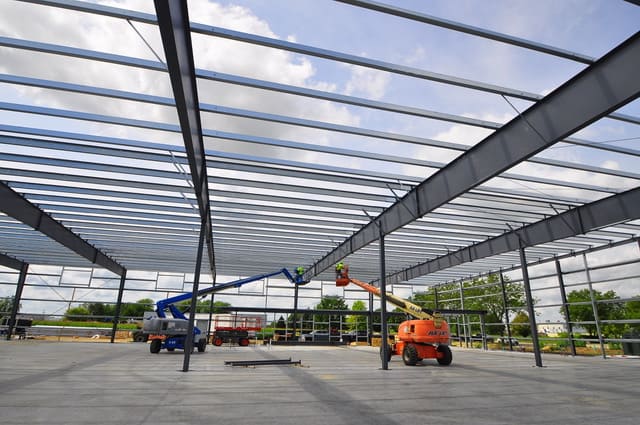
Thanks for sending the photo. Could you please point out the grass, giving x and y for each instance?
(79, 324)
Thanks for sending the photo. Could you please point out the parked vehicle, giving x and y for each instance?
(171, 332)
(505, 340)
(425, 337)
(355, 336)
(316, 336)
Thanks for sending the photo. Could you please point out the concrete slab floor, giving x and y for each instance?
(87, 383)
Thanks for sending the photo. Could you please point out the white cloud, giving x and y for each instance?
(418, 56)
(116, 36)
(367, 82)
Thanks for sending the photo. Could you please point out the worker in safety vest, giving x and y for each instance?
(299, 270)
(339, 269)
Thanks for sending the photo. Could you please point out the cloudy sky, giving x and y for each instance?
(587, 27)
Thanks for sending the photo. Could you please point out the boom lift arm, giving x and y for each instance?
(170, 333)
(170, 303)
(425, 337)
(414, 310)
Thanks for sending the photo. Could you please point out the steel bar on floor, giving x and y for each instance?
(273, 362)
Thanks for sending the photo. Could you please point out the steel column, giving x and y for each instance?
(465, 328)
(188, 345)
(116, 316)
(384, 350)
(210, 316)
(530, 309)
(565, 307)
(295, 311)
(483, 333)
(16, 299)
(594, 306)
(371, 317)
(506, 310)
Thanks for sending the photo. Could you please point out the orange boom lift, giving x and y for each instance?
(425, 337)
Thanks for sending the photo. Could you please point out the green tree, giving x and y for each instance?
(6, 304)
(395, 319)
(357, 323)
(329, 321)
(137, 309)
(479, 294)
(281, 326)
(203, 306)
(100, 309)
(632, 312)
(520, 325)
(80, 313)
(580, 310)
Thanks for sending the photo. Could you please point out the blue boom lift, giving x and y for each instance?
(171, 332)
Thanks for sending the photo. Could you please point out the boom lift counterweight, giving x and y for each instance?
(425, 337)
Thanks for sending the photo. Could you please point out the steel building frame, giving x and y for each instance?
(138, 202)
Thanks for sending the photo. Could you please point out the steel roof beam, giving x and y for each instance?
(432, 20)
(228, 161)
(22, 210)
(157, 66)
(469, 29)
(581, 220)
(226, 181)
(173, 20)
(164, 101)
(607, 85)
(10, 262)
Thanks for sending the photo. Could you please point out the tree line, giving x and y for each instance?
(479, 294)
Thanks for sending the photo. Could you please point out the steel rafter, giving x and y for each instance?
(12, 263)
(173, 20)
(608, 84)
(16, 206)
(580, 220)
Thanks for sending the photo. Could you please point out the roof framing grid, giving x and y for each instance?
(608, 84)
(283, 200)
(583, 219)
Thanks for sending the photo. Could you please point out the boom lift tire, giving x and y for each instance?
(155, 346)
(243, 342)
(447, 357)
(217, 341)
(171, 349)
(202, 345)
(410, 355)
